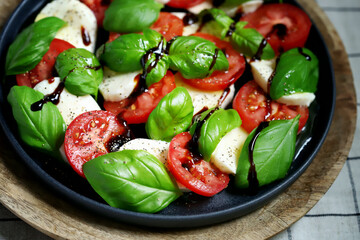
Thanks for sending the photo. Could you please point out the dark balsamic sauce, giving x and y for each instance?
(114, 144)
(217, 3)
(252, 175)
(53, 98)
(159, 53)
(223, 96)
(231, 30)
(105, 2)
(271, 78)
(260, 50)
(307, 57)
(190, 18)
(85, 36)
(215, 56)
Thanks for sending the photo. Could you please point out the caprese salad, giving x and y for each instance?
(169, 69)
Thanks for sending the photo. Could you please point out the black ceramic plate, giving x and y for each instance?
(190, 210)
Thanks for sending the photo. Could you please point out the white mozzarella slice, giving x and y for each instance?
(157, 148)
(262, 71)
(244, 8)
(80, 20)
(188, 30)
(227, 152)
(208, 99)
(70, 105)
(202, 6)
(117, 86)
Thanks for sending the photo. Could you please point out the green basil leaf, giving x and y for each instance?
(31, 45)
(195, 57)
(80, 70)
(297, 71)
(43, 130)
(128, 16)
(216, 125)
(171, 116)
(248, 41)
(133, 180)
(220, 24)
(158, 69)
(233, 3)
(124, 53)
(273, 153)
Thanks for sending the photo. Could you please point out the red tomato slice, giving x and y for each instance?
(168, 25)
(44, 69)
(254, 107)
(251, 104)
(137, 110)
(220, 80)
(87, 135)
(184, 3)
(199, 176)
(98, 7)
(270, 19)
(281, 111)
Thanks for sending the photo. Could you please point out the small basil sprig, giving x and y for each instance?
(249, 40)
(133, 180)
(245, 40)
(219, 23)
(31, 45)
(43, 130)
(216, 123)
(273, 153)
(171, 116)
(297, 71)
(128, 16)
(195, 57)
(80, 70)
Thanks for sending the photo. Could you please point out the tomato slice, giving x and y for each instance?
(137, 110)
(251, 104)
(98, 7)
(184, 3)
(254, 107)
(87, 135)
(285, 26)
(168, 25)
(220, 80)
(199, 176)
(45, 68)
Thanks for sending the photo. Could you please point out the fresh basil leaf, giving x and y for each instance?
(31, 45)
(43, 130)
(195, 57)
(273, 153)
(171, 116)
(297, 71)
(124, 53)
(158, 69)
(220, 23)
(216, 123)
(128, 16)
(80, 70)
(233, 3)
(248, 41)
(133, 180)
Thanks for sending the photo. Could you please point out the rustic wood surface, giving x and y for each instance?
(27, 198)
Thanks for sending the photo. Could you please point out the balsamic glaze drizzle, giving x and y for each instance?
(114, 144)
(252, 175)
(53, 98)
(85, 36)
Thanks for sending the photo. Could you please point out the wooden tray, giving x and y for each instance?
(27, 197)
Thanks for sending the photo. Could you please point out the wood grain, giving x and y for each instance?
(27, 197)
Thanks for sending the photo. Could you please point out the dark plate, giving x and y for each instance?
(190, 210)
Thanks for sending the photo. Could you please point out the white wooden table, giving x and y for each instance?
(337, 215)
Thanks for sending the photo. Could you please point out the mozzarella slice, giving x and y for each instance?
(208, 99)
(262, 70)
(202, 6)
(70, 106)
(227, 152)
(117, 86)
(244, 8)
(188, 30)
(157, 148)
(80, 20)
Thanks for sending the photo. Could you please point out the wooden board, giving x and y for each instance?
(31, 201)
